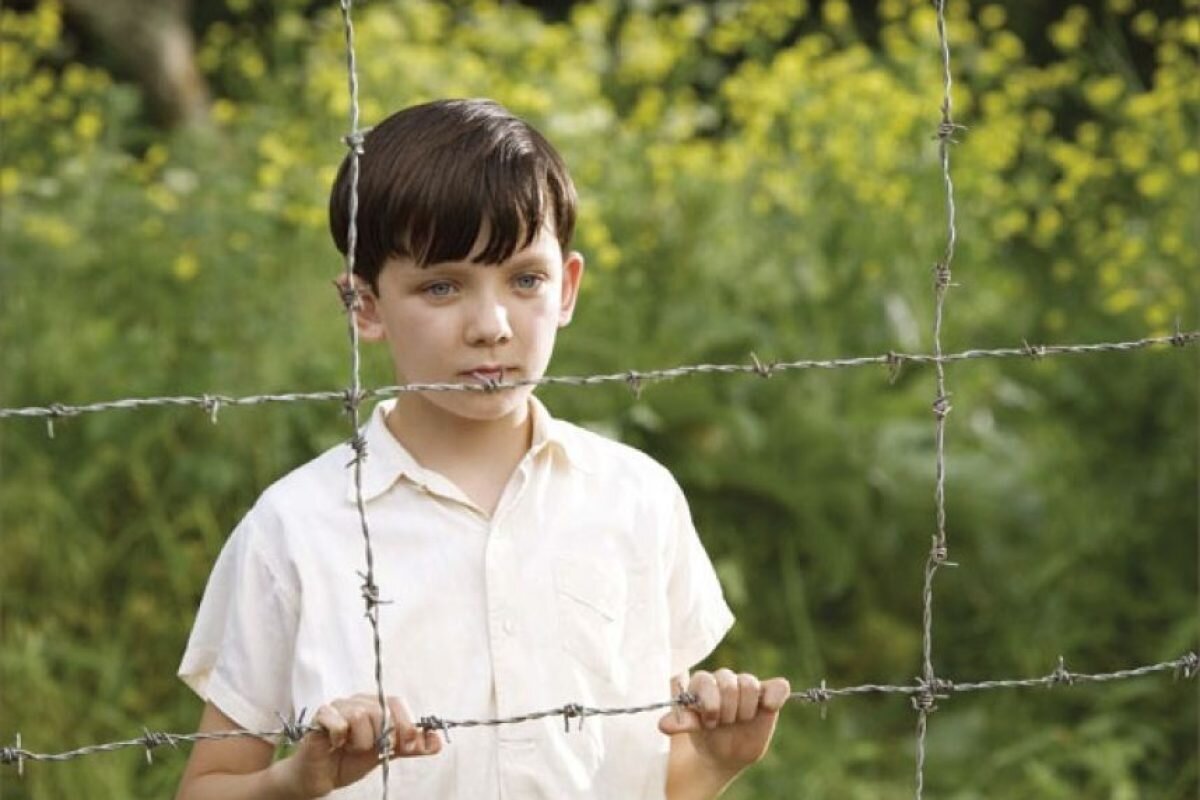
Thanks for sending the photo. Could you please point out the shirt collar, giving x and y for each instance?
(387, 461)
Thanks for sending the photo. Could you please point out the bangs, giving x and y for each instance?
(508, 197)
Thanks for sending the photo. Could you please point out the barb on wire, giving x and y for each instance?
(892, 360)
(922, 694)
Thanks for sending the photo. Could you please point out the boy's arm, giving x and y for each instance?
(727, 730)
(340, 754)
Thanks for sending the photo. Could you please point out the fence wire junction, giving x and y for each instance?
(924, 692)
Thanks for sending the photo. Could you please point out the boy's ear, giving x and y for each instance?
(571, 278)
(370, 326)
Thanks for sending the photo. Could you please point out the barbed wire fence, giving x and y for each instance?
(924, 692)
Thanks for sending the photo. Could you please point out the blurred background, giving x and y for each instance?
(755, 177)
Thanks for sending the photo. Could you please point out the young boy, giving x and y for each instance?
(525, 562)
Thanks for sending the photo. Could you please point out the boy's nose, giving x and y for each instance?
(488, 324)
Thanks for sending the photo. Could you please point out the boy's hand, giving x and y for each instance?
(733, 720)
(347, 749)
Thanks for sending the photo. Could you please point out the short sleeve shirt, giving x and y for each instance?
(587, 585)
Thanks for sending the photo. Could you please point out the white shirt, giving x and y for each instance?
(588, 585)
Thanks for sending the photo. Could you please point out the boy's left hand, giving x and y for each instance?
(733, 719)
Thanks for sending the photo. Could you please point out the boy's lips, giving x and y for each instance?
(488, 373)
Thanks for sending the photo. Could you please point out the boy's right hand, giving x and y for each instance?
(346, 749)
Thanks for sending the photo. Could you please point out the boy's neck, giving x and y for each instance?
(478, 456)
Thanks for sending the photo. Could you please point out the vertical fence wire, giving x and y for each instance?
(925, 703)
(355, 395)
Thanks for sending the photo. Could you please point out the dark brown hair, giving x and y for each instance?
(432, 175)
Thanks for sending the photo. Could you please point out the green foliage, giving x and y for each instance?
(746, 188)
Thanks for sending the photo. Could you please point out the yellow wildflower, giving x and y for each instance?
(836, 13)
(1145, 24)
(1121, 300)
(88, 126)
(993, 17)
(1103, 92)
(186, 266)
(1153, 183)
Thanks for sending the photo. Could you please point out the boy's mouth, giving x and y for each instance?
(488, 375)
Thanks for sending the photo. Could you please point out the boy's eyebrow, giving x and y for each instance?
(528, 259)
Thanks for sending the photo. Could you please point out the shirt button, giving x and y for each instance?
(510, 627)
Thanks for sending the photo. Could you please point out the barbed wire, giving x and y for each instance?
(926, 702)
(354, 394)
(1186, 666)
(212, 403)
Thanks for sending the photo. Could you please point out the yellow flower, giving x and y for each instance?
(252, 65)
(1145, 24)
(162, 198)
(1049, 221)
(51, 230)
(1189, 30)
(10, 181)
(836, 13)
(1088, 134)
(75, 78)
(1153, 183)
(1068, 33)
(223, 111)
(993, 17)
(186, 266)
(1103, 92)
(88, 126)
(891, 9)
(1121, 300)
(1110, 275)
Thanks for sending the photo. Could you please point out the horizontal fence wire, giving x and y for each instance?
(1186, 666)
(634, 379)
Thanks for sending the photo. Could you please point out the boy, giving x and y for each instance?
(526, 563)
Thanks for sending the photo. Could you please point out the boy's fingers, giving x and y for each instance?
(363, 727)
(727, 686)
(683, 720)
(704, 686)
(408, 738)
(775, 692)
(334, 724)
(749, 696)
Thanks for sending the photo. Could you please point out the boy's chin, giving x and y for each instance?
(484, 407)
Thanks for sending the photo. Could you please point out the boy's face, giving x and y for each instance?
(461, 322)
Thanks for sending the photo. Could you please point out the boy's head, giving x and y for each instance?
(434, 176)
(465, 215)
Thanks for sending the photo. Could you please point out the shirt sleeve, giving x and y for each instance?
(699, 616)
(240, 651)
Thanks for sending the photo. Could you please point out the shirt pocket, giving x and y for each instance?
(591, 599)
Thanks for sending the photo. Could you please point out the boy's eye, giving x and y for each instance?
(528, 281)
(439, 289)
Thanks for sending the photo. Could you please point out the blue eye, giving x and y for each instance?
(528, 281)
(439, 289)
